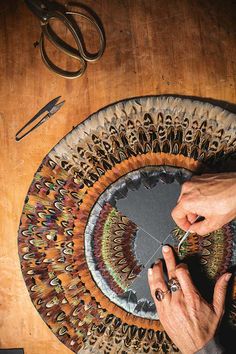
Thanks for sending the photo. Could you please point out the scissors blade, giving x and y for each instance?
(56, 108)
(49, 106)
(38, 7)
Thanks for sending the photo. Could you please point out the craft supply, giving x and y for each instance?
(52, 107)
(187, 233)
(48, 11)
(113, 241)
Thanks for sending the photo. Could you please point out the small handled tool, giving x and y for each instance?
(52, 107)
(47, 12)
(187, 233)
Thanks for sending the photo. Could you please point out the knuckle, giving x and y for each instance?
(171, 273)
(177, 302)
(157, 266)
(181, 268)
(204, 230)
(201, 232)
(194, 179)
(153, 294)
(159, 284)
(196, 299)
(186, 185)
(180, 272)
(177, 211)
(183, 198)
(188, 202)
(193, 299)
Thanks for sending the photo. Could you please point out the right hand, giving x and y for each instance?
(187, 318)
(212, 196)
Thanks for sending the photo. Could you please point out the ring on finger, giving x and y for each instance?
(160, 294)
(173, 285)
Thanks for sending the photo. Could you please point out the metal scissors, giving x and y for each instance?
(52, 107)
(187, 233)
(48, 11)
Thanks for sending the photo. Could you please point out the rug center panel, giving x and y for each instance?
(126, 230)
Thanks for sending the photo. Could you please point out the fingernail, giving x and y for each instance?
(165, 248)
(228, 276)
(157, 261)
(150, 272)
(182, 266)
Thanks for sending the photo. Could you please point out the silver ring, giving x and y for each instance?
(160, 294)
(173, 285)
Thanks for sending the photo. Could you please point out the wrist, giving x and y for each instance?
(212, 346)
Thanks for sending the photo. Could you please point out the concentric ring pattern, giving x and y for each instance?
(158, 132)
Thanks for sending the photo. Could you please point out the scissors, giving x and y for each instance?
(52, 107)
(187, 233)
(47, 11)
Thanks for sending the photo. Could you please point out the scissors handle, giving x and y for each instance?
(20, 136)
(90, 57)
(47, 11)
(80, 54)
(58, 44)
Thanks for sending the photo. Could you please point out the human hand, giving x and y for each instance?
(210, 196)
(187, 318)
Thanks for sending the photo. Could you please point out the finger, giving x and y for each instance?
(169, 258)
(185, 280)
(156, 281)
(179, 214)
(202, 227)
(192, 217)
(204, 177)
(220, 293)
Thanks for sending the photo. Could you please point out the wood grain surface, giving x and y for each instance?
(181, 47)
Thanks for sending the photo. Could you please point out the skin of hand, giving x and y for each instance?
(187, 318)
(212, 196)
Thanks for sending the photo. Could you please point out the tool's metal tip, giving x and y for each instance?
(56, 107)
(55, 100)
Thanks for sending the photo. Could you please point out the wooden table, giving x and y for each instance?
(182, 47)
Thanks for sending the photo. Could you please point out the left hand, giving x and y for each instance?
(187, 318)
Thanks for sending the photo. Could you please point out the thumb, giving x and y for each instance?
(220, 293)
(201, 228)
